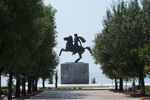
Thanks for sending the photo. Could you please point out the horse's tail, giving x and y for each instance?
(89, 49)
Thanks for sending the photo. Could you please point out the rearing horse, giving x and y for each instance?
(70, 47)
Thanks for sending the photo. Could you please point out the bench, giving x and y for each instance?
(134, 89)
(139, 91)
(2, 97)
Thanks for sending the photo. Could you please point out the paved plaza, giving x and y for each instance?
(82, 95)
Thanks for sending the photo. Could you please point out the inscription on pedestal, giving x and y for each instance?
(75, 73)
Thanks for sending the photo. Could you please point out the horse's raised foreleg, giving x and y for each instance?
(80, 56)
(61, 51)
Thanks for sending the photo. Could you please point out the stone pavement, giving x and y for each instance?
(82, 95)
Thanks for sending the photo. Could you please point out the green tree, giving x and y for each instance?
(15, 29)
(123, 31)
(27, 38)
(93, 80)
(50, 80)
(47, 58)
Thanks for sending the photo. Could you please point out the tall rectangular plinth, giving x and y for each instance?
(75, 73)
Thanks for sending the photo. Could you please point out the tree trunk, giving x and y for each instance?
(56, 79)
(1, 52)
(43, 82)
(142, 84)
(32, 84)
(29, 84)
(126, 85)
(10, 87)
(23, 86)
(0, 82)
(36, 81)
(116, 86)
(17, 94)
(121, 84)
(139, 81)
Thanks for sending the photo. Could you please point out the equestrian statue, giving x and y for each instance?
(73, 46)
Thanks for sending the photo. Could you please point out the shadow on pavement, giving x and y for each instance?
(132, 94)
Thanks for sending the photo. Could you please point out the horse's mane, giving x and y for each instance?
(71, 39)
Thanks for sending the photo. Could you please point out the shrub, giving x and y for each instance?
(79, 88)
(93, 80)
(147, 89)
(4, 87)
(74, 88)
(50, 80)
(40, 88)
(2, 92)
(138, 87)
(49, 88)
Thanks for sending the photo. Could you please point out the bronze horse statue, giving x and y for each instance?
(71, 48)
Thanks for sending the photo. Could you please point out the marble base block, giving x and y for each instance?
(75, 73)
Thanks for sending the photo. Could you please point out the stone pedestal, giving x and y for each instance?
(75, 73)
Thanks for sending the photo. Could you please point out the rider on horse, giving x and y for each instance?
(75, 48)
(76, 40)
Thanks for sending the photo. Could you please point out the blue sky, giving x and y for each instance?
(83, 17)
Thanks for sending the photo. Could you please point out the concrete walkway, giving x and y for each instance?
(82, 95)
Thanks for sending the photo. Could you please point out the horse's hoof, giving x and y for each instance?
(76, 62)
